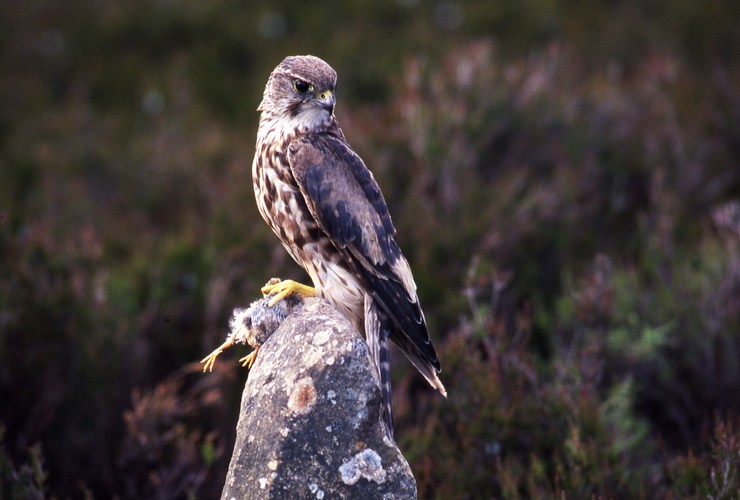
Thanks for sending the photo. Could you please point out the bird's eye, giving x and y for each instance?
(302, 87)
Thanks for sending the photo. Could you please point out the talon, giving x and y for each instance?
(281, 289)
(210, 360)
(248, 360)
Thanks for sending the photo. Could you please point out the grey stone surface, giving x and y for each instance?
(309, 425)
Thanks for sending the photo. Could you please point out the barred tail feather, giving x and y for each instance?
(377, 332)
(385, 384)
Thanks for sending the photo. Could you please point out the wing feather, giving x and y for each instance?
(346, 202)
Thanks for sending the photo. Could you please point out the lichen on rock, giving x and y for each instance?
(310, 420)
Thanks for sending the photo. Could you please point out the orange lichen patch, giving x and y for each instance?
(302, 397)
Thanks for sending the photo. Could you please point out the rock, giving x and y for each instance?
(310, 425)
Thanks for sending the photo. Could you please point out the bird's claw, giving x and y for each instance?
(210, 360)
(248, 360)
(281, 289)
(275, 289)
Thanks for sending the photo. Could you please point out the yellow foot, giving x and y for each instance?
(210, 360)
(281, 289)
(248, 360)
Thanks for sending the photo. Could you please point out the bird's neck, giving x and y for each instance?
(283, 129)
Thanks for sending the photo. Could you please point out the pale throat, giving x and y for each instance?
(278, 127)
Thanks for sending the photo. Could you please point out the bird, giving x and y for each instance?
(326, 208)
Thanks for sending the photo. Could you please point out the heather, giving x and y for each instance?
(563, 176)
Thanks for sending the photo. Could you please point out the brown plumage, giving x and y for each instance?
(323, 203)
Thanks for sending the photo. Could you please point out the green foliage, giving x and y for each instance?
(716, 474)
(563, 177)
(620, 357)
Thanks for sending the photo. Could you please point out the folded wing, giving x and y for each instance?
(347, 204)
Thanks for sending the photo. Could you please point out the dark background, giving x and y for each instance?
(564, 177)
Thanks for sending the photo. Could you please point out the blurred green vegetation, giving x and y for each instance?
(563, 175)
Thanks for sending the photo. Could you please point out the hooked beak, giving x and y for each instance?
(326, 100)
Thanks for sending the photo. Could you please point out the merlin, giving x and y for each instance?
(325, 206)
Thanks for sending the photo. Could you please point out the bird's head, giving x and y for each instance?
(300, 93)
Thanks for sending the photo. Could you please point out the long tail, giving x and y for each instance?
(377, 332)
